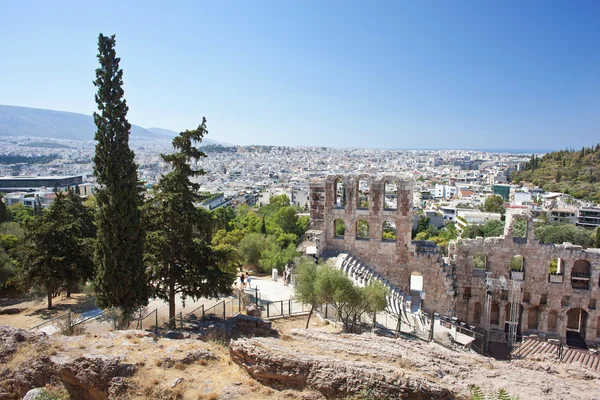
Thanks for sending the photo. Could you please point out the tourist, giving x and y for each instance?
(248, 281)
(242, 283)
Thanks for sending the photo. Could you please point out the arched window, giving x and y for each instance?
(557, 266)
(532, 318)
(495, 314)
(363, 194)
(480, 260)
(362, 229)
(580, 275)
(339, 228)
(552, 320)
(517, 263)
(390, 198)
(389, 231)
(477, 313)
(340, 193)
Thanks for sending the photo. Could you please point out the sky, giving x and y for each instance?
(400, 74)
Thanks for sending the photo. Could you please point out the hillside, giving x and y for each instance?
(569, 171)
(37, 122)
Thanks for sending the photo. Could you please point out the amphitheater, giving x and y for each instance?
(366, 221)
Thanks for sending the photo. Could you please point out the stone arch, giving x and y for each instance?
(495, 314)
(390, 194)
(517, 263)
(363, 190)
(581, 274)
(533, 317)
(362, 229)
(339, 228)
(557, 266)
(552, 320)
(477, 313)
(340, 192)
(389, 231)
(416, 281)
(480, 260)
(576, 320)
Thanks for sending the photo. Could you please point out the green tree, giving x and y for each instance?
(287, 219)
(57, 253)
(492, 228)
(596, 237)
(560, 233)
(333, 287)
(494, 204)
(20, 213)
(251, 247)
(179, 256)
(471, 232)
(305, 290)
(276, 257)
(4, 217)
(120, 280)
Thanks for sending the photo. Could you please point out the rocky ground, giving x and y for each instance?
(296, 364)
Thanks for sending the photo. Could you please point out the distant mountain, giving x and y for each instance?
(25, 121)
(171, 134)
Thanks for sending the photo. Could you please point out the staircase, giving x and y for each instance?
(361, 274)
(415, 301)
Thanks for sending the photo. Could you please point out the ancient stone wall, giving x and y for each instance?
(394, 259)
(552, 303)
(546, 299)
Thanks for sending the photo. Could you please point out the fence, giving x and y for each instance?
(284, 308)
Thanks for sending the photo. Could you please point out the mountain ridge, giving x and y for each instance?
(44, 123)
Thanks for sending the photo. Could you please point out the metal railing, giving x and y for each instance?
(284, 308)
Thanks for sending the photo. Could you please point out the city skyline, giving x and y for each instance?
(465, 75)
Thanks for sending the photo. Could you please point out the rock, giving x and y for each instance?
(34, 393)
(283, 368)
(253, 310)
(176, 382)
(174, 335)
(197, 355)
(90, 377)
(11, 338)
(249, 326)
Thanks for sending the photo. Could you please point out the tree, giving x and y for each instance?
(333, 287)
(276, 257)
(20, 213)
(494, 204)
(305, 285)
(120, 280)
(251, 247)
(287, 219)
(57, 253)
(560, 233)
(471, 232)
(492, 228)
(4, 217)
(422, 225)
(179, 256)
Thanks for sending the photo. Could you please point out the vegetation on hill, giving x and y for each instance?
(568, 171)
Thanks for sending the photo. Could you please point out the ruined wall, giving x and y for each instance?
(395, 259)
(542, 294)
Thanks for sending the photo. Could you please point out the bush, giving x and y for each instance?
(479, 261)
(516, 264)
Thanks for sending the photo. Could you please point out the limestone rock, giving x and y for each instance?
(33, 394)
(174, 335)
(90, 377)
(253, 310)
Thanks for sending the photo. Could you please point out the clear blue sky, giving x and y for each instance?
(453, 74)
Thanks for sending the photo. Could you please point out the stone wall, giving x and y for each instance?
(456, 288)
(543, 295)
(395, 259)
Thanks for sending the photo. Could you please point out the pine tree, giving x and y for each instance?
(179, 254)
(56, 253)
(120, 277)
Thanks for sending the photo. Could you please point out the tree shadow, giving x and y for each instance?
(82, 304)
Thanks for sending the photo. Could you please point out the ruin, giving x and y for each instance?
(557, 286)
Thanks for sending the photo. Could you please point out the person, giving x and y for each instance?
(286, 275)
(242, 283)
(248, 281)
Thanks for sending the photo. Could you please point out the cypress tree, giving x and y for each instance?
(120, 276)
(4, 217)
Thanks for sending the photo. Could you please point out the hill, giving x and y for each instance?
(37, 122)
(569, 171)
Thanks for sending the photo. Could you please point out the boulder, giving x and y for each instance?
(253, 310)
(33, 394)
(174, 335)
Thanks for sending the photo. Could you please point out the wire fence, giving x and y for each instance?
(284, 308)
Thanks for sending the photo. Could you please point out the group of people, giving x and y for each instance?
(245, 281)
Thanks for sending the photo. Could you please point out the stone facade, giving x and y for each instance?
(552, 303)
(393, 259)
